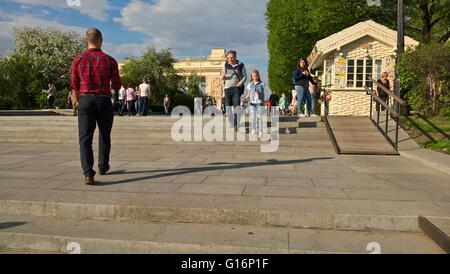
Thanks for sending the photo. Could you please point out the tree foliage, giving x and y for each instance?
(41, 56)
(157, 68)
(425, 75)
(50, 51)
(294, 26)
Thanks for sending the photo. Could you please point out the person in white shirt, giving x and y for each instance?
(144, 89)
(122, 96)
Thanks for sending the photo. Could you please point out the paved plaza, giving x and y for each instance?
(210, 197)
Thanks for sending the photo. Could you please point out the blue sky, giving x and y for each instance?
(187, 27)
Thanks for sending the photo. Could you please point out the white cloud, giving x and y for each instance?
(127, 49)
(200, 24)
(97, 9)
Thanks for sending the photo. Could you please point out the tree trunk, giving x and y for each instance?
(426, 22)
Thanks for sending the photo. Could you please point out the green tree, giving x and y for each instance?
(41, 56)
(191, 85)
(50, 51)
(294, 26)
(20, 84)
(428, 20)
(425, 78)
(157, 68)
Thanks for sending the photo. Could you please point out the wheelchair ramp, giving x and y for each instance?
(357, 135)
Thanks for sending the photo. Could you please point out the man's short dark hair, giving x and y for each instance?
(232, 52)
(94, 35)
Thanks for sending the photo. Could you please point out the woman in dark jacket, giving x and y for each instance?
(384, 81)
(302, 77)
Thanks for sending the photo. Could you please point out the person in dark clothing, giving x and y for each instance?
(92, 75)
(302, 77)
(273, 102)
(380, 92)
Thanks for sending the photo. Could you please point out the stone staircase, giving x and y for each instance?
(164, 196)
(146, 131)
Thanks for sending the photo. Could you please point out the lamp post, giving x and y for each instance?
(400, 47)
(400, 29)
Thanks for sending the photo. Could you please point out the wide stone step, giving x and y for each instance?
(190, 205)
(53, 235)
(117, 141)
(132, 124)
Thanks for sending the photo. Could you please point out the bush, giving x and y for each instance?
(419, 70)
(182, 99)
(6, 103)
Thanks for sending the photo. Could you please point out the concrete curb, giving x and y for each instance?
(288, 219)
(435, 160)
(57, 244)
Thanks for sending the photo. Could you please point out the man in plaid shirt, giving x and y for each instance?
(92, 76)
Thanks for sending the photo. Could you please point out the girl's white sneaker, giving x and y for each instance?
(253, 132)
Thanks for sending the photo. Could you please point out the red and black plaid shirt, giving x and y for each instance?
(92, 72)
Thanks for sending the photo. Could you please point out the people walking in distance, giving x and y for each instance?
(137, 102)
(273, 103)
(92, 75)
(166, 104)
(384, 81)
(294, 103)
(257, 95)
(144, 91)
(234, 76)
(284, 108)
(122, 100)
(51, 97)
(71, 97)
(302, 77)
(131, 100)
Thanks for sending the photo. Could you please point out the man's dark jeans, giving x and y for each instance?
(144, 106)
(51, 102)
(232, 99)
(94, 110)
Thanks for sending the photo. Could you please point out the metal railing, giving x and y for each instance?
(394, 112)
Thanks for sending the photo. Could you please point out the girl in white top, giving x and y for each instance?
(258, 95)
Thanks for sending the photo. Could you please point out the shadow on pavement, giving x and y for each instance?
(191, 170)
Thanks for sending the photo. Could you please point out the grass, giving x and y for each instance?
(441, 122)
(441, 145)
(432, 133)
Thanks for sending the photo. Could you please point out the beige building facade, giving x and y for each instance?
(208, 69)
(348, 60)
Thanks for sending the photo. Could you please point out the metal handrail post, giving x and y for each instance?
(378, 116)
(387, 123)
(397, 127)
(371, 105)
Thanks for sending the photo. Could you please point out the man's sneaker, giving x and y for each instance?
(104, 171)
(89, 180)
(301, 115)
